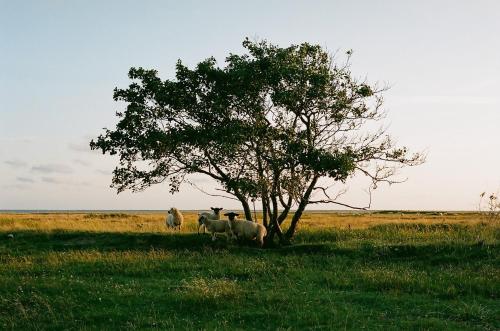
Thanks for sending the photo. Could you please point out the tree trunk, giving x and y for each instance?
(284, 213)
(245, 205)
(270, 235)
(274, 214)
(275, 229)
(246, 209)
(300, 209)
(264, 213)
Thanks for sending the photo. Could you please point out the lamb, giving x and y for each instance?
(215, 226)
(215, 215)
(246, 229)
(174, 219)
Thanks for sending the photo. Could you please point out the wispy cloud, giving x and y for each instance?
(81, 162)
(51, 180)
(20, 140)
(57, 181)
(16, 163)
(15, 187)
(80, 147)
(83, 145)
(104, 172)
(25, 180)
(52, 168)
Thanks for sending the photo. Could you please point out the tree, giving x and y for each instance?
(269, 126)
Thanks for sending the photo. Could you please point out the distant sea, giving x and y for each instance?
(159, 211)
(81, 211)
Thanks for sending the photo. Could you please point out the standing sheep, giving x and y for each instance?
(174, 219)
(246, 229)
(214, 215)
(217, 226)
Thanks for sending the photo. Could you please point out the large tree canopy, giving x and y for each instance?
(269, 126)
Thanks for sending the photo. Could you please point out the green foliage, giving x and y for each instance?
(268, 125)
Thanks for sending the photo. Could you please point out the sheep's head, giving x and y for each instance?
(231, 215)
(216, 210)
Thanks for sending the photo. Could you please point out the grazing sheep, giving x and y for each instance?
(174, 219)
(214, 226)
(246, 229)
(214, 215)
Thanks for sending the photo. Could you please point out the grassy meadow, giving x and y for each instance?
(377, 271)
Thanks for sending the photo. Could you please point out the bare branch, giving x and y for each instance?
(326, 201)
(210, 194)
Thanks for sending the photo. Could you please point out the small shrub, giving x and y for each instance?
(490, 207)
(109, 216)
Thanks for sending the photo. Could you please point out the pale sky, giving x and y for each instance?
(60, 60)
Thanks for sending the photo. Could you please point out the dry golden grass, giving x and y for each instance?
(366, 220)
(92, 222)
(152, 223)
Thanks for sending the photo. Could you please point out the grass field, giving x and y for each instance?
(379, 271)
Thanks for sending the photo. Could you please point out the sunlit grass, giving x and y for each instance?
(387, 271)
(123, 222)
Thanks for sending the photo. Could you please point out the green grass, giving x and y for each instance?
(386, 277)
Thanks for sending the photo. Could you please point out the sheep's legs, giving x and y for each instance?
(213, 236)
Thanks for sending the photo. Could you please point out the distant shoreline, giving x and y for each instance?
(158, 211)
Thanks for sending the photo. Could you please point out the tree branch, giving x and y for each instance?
(210, 194)
(333, 200)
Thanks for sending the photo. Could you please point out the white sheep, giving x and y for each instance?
(216, 226)
(246, 229)
(174, 219)
(214, 215)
